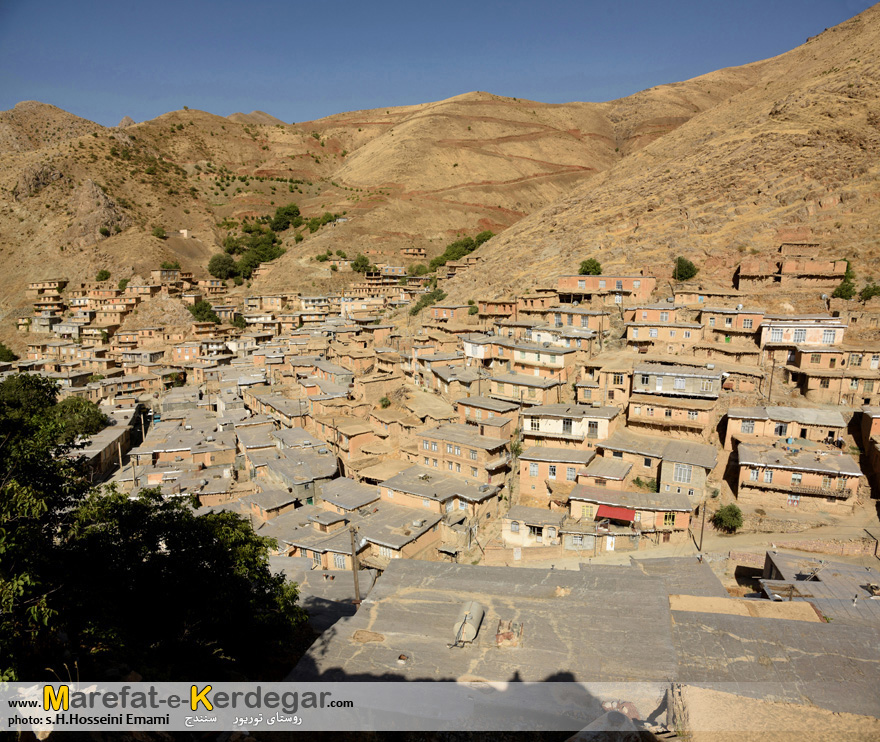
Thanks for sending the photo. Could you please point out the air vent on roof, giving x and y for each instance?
(418, 523)
(187, 427)
(425, 477)
(710, 366)
(323, 450)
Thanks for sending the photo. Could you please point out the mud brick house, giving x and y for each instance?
(446, 312)
(677, 381)
(737, 326)
(609, 289)
(781, 335)
(681, 416)
(540, 466)
(669, 337)
(461, 450)
(344, 495)
(660, 517)
(542, 360)
(428, 491)
(475, 410)
(489, 310)
(568, 426)
(527, 526)
(791, 477)
(605, 382)
(747, 424)
(571, 315)
(525, 389)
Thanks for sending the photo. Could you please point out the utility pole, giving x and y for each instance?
(143, 431)
(703, 524)
(770, 388)
(354, 565)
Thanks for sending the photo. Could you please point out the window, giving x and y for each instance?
(664, 316)
(552, 474)
(566, 427)
(768, 476)
(473, 455)
(644, 315)
(780, 429)
(828, 337)
(433, 445)
(667, 413)
(728, 321)
(815, 358)
(618, 285)
(646, 379)
(635, 333)
(668, 519)
(427, 461)
(582, 284)
(652, 332)
(692, 414)
(339, 561)
(385, 552)
(426, 445)
(637, 410)
(586, 510)
(571, 474)
(473, 471)
(533, 470)
(683, 473)
(617, 379)
(687, 334)
(462, 505)
(458, 450)
(800, 335)
(869, 386)
(534, 423)
(426, 503)
(448, 448)
(637, 284)
(650, 412)
(853, 383)
(711, 322)
(796, 478)
(434, 463)
(823, 383)
(577, 540)
(672, 334)
(458, 468)
(747, 324)
(522, 355)
(706, 385)
(776, 335)
(601, 284)
(826, 482)
(585, 321)
(557, 320)
(617, 454)
(679, 383)
(449, 465)
(646, 462)
(514, 526)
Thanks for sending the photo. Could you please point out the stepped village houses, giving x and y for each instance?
(592, 414)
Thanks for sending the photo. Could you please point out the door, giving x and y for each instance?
(609, 543)
(803, 432)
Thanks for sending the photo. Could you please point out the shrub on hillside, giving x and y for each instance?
(103, 275)
(728, 519)
(684, 269)
(590, 267)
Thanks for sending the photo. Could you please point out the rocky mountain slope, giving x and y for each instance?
(793, 157)
(76, 197)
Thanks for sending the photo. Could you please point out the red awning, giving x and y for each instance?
(607, 511)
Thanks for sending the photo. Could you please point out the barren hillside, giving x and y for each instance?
(710, 168)
(792, 157)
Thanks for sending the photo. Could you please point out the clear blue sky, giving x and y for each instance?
(300, 61)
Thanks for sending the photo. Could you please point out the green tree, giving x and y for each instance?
(417, 269)
(845, 290)
(286, 217)
(360, 264)
(869, 292)
(385, 403)
(590, 267)
(123, 283)
(684, 269)
(222, 265)
(239, 322)
(341, 254)
(728, 519)
(159, 232)
(6, 354)
(103, 275)
(171, 265)
(78, 417)
(203, 312)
